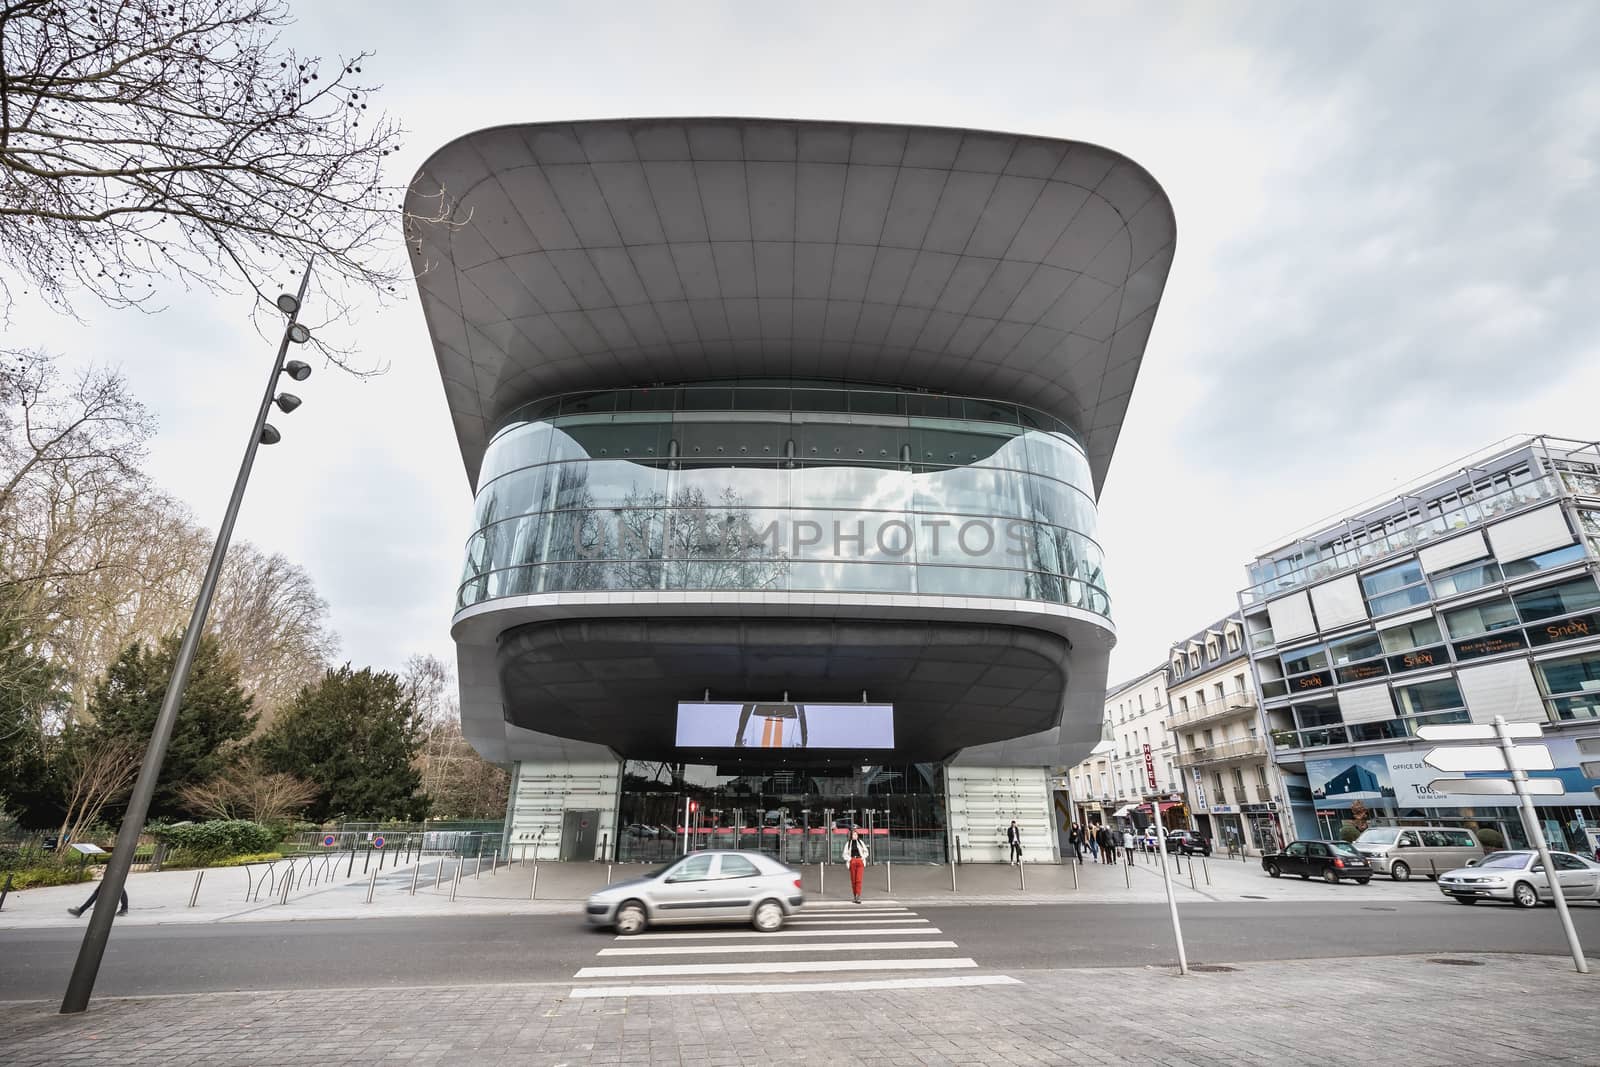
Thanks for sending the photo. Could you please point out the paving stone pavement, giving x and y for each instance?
(1511, 1009)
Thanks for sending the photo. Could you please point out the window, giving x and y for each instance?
(1424, 698)
(1141, 703)
(1211, 651)
(1418, 634)
(738, 867)
(1194, 660)
(1301, 660)
(1395, 588)
(1565, 862)
(1317, 715)
(693, 869)
(1408, 839)
(1233, 640)
(1465, 579)
(1459, 839)
(1544, 562)
(1480, 618)
(1563, 599)
(1350, 649)
(1183, 703)
(1296, 848)
(1238, 684)
(1573, 685)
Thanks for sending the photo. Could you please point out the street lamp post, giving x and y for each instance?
(81, 985)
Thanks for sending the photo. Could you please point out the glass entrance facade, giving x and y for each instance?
(796, 815)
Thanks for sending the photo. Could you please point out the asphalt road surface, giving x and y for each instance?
(468, 950)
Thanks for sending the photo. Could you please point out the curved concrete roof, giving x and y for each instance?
(595, 254)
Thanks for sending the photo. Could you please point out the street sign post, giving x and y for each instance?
(1518, 759)
(1166, 875)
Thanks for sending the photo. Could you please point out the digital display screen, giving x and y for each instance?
(786, 726)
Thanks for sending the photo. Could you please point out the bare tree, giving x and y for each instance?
(142, 139)
(249, 791)
(97, 773)
(460, 783)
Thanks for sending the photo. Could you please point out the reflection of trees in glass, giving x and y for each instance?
(683, 542)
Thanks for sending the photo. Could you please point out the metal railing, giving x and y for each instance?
(1225, 750)
(1221, 707)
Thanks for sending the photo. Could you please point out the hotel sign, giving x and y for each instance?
(1490, 644)
(1565, 629)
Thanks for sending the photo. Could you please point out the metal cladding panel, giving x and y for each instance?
(1506, 688)
(1018, 268)
(1530, 533)
(1457, 550)
(1291, 617)
(1339, 602)
(1371, 703)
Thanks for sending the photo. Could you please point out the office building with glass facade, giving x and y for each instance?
(797, 423)
(1470, 595)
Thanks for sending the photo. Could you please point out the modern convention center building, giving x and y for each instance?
(786, 440)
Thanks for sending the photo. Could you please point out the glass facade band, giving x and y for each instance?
(784, 501)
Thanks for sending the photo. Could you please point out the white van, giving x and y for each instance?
(1402, 851)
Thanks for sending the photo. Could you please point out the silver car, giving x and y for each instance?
(1518, 876)
(703, 887)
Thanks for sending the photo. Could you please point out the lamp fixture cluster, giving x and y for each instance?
(296, 369)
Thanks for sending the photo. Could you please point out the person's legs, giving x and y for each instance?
(86, 905)
(124, 909)
(857, 868)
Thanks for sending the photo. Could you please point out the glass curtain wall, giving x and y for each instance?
(794, 815)
(785, 488)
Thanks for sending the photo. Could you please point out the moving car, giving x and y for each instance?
(703, 887)
(1188, 843)
(1518, 876)
(1332, 861)
(1401, 851)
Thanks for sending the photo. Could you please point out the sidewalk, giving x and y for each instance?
(1504, 1010)
(226, 893)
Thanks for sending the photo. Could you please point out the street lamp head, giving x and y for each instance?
(297, 370)
(286, 402)
(287, 303)
(270, 434)
(299, 334)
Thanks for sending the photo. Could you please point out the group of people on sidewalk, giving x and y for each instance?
(1101, 842)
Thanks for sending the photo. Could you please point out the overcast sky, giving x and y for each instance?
(1387, 234)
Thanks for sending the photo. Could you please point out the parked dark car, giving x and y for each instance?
(1332, 861)
(1188, 843)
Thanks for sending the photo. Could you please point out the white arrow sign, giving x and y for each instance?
(1474, 731)
(1499, 787)
(1488, 758)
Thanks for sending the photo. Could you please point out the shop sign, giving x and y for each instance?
(1222, 808)
(1309, 682)
(1259, 809)
(1418, 659)
(1490, 644)
(1565, 629)
(1362, 672)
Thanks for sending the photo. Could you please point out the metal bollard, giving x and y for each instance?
(1191, 872)
(1074, 876)
(351, 866)
(953, 873)
(5, 892)
(494, 861)
(194, 894)
(1206, 867)
(477, 868)
(533, 894)
(608, 874)
(415, 873)
(888, 874)
(1127, 878)
(456, 882)
(372, 884)
(288, 880)
(822, 878)
(366, 858)
(1022, 879)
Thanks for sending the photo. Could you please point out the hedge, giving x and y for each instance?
(34, 877)
(200, 844)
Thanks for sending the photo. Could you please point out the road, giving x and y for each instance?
(393, 953)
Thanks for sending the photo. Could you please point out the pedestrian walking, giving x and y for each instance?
(86, 905)
(855, 857)
(1075, 839)
(1014, 839)
(1091, 841)
(1106, 847)
(1127, 845)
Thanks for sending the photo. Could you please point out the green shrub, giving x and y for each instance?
(248, 857)
(1491, 838)
(1348, 831)
(199, 844)
(34, 877)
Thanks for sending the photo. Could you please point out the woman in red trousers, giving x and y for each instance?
(855, 855)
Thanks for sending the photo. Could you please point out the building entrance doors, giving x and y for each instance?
(579, 831)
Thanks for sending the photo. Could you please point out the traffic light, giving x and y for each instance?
(694, 806)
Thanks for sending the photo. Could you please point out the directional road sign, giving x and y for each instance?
(1488, 758)
(1498, 787)
(1477, 731)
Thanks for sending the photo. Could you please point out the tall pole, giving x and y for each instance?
(81, 985)
(1166, 875)
(1530, 823)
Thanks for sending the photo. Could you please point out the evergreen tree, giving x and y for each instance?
(214, 716)
(355, 736)
(32, 697)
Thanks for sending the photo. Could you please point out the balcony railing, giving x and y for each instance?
(1218, 708)
(1243, 748)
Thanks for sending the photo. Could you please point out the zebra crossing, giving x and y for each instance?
(829, 946)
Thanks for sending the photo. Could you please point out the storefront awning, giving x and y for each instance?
(1122, 812)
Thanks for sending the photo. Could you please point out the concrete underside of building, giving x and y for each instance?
(662, 340)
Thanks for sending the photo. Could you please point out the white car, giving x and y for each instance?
(703, 887)
(1517, 875)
